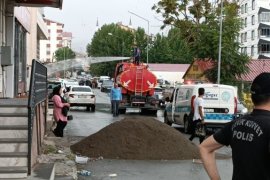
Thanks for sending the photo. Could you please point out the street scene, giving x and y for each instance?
(134, 89)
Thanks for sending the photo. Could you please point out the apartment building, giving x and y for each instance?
(255, 32)
(57, 39)
(48, 47)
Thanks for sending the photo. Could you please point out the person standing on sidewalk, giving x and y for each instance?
(198, 114)
(248, 136)
(59, 117)
(116, 97)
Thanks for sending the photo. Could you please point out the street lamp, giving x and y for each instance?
(122, 44)
(220, 40)
(147, 47)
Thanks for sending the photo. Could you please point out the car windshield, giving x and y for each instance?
(52, 85)
(81, 89)
(107, 83)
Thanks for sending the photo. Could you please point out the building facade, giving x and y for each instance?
(255, 32)
(21, 29)
(55, 41)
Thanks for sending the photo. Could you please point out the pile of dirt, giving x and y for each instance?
(137, 138)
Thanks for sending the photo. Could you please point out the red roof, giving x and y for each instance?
(255, 68)
(169, 67)
(204, 64)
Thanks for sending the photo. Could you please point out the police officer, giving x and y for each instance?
(248, 136)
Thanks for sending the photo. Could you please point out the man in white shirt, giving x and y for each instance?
(198, 114)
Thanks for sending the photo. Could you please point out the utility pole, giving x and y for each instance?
(147, 47)
(220, 41)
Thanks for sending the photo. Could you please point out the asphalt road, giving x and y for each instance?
(86, 123)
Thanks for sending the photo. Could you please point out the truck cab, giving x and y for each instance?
(220, 105)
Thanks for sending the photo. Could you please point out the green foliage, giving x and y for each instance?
(111, 40)
(198, 34)
(64, 53)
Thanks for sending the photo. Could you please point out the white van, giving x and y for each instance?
(220, 105)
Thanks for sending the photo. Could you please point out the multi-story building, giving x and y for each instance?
(255, 32)
(67, 39)
(48, 47)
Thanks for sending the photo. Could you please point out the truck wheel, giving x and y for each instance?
(122, 111)
(166, 120)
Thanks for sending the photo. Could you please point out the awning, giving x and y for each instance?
(264, 41)
(263, 25)
(263, 10)
(40, 3)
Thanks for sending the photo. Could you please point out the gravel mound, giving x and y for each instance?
(137, 138)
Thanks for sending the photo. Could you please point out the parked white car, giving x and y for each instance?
(82, 96)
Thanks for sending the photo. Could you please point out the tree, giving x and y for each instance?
(111, 40)
(64, 53)
(199, 30)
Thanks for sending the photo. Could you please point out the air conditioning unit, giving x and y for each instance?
(6, 53)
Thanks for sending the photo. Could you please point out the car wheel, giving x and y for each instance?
(93, 108)
(88, 108)
(166, 120)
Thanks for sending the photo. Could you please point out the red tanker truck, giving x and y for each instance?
(137, 83)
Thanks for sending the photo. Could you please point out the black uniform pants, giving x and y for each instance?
(59, 130)
(193, 128)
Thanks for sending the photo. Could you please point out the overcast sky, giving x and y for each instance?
(80, 17)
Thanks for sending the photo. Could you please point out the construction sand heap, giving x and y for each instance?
(137, 138)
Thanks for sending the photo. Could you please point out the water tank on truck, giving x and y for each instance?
(137, 83)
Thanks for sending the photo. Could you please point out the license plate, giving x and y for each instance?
(133, 110)
(82, 96)
(209, 110)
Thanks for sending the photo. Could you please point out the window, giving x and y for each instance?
(265, 32)
(246, 7)
(253, 4)
(264, 17)
(245, 36)
(48, 45)
(59, 30)
(252, 35)
(245, 22)
(242, 37)
(242, 9)
(253, 19)
(48, 52)
(252, 50)
(264, 48)
(245, 50)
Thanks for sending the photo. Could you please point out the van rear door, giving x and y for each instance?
(219, 104)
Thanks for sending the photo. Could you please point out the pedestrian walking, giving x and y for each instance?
(59, 111)
(116, 97)
(198, 117)
(248, 136)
